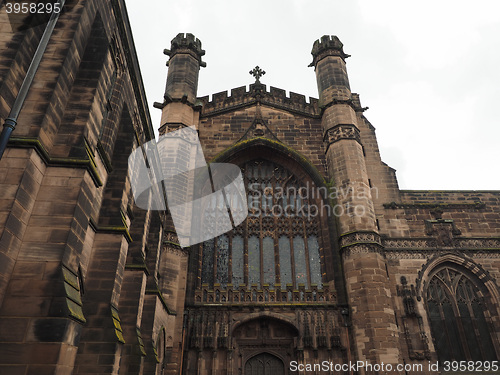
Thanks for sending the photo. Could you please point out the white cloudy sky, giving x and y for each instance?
(429, 70)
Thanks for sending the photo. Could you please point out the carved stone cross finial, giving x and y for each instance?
(257, 73)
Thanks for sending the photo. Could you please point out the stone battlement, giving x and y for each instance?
(185, 42)
(327, 45)
(327, 42)
(240, 97)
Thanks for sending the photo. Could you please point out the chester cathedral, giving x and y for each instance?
(91, 283)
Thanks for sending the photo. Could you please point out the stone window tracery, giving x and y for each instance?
(278, 243)
(458, 317)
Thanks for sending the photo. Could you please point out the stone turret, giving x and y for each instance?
(331, 74)
(344, 153)
(375, 330)
(179, 110)
(184, 64)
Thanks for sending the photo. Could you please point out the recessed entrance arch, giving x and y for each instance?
(264, 364)
(264, 344)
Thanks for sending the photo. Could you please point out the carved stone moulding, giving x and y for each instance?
(361, 249)
(396, 205)
(342, 131)
(409, 243)
(360, 237)
(462, 244)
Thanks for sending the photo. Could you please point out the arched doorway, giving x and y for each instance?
(263, 344)
(264, 364)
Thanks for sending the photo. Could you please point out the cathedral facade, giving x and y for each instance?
(333, 266)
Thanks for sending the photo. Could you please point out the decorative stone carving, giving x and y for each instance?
(342, 131)
(361, 249)
(360, 237)
(413, 327)
(171, 245)
(407, 243)
(435, 206)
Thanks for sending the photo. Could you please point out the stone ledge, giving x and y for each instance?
(474, 205)
(88, 164)
(159, 294)
(123, 230)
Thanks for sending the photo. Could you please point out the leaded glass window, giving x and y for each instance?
(285, 260)
(300, 259)
(238, 261)
(253, 260)
(268, 261)
(457, 315)
(314, 259)
(222, 259)
(278, 243)
(208, 262)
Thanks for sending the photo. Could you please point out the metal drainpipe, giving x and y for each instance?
(11, 120)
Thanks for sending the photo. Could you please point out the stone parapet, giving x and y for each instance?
(240, 97)
(186, 43)
(328, 45)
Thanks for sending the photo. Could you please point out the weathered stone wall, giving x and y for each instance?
(91, 284)
(77, 258)
(301, 133)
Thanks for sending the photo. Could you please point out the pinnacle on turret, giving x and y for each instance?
(186, 43)
(328, 45)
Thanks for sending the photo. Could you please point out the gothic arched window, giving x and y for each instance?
(458, 316)
(278, 243)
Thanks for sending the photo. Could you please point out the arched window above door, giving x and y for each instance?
(278, 243)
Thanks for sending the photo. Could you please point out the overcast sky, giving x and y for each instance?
(428, 70)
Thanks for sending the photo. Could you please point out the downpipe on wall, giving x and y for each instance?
(11, 120)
